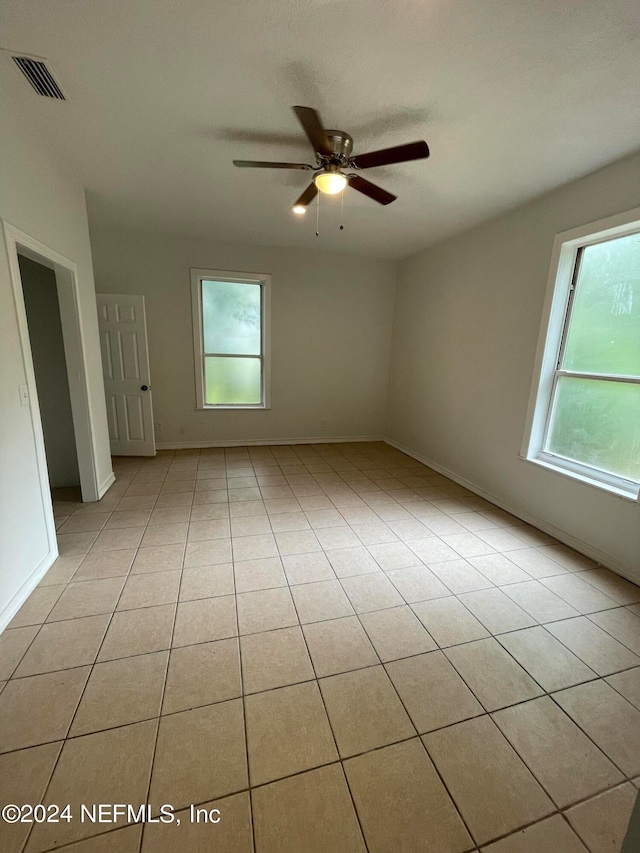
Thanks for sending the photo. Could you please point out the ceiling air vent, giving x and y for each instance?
(38, 74)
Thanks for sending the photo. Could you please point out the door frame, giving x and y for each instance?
(19, 243)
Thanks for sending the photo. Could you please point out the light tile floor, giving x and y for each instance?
(337, 648)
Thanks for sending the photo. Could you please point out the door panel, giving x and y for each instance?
(125, 367)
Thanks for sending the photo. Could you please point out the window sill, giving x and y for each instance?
(630, 494)
(233, 408)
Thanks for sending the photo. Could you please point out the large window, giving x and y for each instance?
(230, 315)
(587, 408)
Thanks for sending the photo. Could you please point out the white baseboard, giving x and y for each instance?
(11, 608)
(607, 560)
(106, 485)
(262, 442)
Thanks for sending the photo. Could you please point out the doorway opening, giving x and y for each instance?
(42, 308)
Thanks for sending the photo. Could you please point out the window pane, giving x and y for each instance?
(231, 317)
(598, 423)
(604, 336)
(232, 381)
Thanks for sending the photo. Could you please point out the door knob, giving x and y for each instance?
(144, 387)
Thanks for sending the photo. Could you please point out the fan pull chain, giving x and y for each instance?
(342, 212)
(318, 215)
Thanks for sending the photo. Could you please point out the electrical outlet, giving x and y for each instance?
(323, 424)
(158, 426)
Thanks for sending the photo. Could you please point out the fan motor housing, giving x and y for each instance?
(341, 144)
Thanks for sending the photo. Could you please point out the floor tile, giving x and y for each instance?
(159, 558)
(274, 659)
(61, 571)
(371, 592)
(207, 582)
(212, 528)
(287, 732)
(449, 622)
(265, 610)
(297, 542)
(434, 550)
(432, 691)
(602, 821)
(106, 767)
(39, 709)
(14, 642)
(622, 625)
(232, 835)
(499, 569)
(285, 522)
(595, 647)
(546, 660)
(349, 699)
(149, 590)
(578, 593)
(347, 562)
(105, 564)
(407, 529)
(84, 523)
(75, 543)
(38, 606)
(609, 720)
(23, 779)
(404, 774)
(61, 645)
(539, 602)
(323, 600)
(312, 811)
(551, 834)
(493, 675)
(266, 573)
(536, 563)
(307, 568)
(374, 533)
(496, 611)
(393, 555)
(165, 534)
(131, 518)
(561, 757)
(396, 633)
(339, 645)
(417, 583)
(121, 691)
(628, 684)
(507, 797)
(88, 598)
(567, 557)
(118, 538)
(208, 553)
(469, 545)
(460, 576)
(201, 675)
(183, 769)
(204, 620)
(138, 632)
(331, 538)
(612, 585)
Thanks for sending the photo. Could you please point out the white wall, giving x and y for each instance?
(330, 336)
(47, 351)
(467, 319)
(38, 197)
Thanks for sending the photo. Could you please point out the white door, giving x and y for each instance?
(125, 365)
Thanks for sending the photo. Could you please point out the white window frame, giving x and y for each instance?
(197, 277)
(566, 248)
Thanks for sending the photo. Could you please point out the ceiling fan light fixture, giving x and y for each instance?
(330, 183)
(299, 209)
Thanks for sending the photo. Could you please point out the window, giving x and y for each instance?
(585, 415)
(231, 319)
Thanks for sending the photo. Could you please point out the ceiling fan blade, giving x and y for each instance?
(307, 196)
(312, 126)
(372, 190)
(264, 164)
(387, 156)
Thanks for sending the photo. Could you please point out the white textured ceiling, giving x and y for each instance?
(513, 97)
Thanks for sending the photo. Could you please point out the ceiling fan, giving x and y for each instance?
(333, 154)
